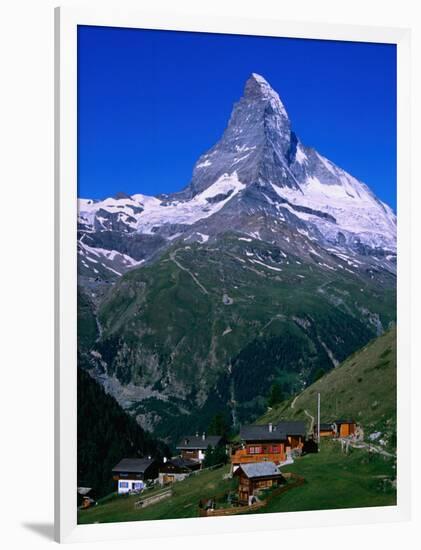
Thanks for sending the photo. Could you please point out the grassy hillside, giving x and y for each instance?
(336, 480)
(183, 503)
(333, 480)
(362, 387)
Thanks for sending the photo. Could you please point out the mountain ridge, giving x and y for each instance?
(258, 164)
(271, 264)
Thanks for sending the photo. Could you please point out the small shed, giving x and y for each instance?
(132, 473)
(256, 476)
(326, 429)
(344, 427)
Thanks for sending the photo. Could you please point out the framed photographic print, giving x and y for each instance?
(232, 257)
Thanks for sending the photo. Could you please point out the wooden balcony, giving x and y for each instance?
(242, 457)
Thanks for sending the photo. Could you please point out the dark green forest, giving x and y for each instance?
(106, 434)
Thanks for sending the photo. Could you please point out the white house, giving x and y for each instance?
(132, 473)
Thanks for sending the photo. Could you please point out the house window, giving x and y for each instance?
(255, 450)
(124, 484)
(275, 449)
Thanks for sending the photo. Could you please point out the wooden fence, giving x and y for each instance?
(157, 497)
(232, 511)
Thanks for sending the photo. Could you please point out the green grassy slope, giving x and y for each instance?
(333, 480)
(183, 503)
(362, 387)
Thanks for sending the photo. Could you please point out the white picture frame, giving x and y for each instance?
(66, 22)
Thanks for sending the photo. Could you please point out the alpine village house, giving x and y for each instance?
(268, 443)
(255, 460)
(256, 476)
(131, 474)
(194, 447)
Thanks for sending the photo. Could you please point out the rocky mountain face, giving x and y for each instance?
(272, 263)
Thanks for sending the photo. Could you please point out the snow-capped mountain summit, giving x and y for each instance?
(257, 144)
(258, 165)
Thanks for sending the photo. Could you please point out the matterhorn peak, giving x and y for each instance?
(257, 142)
(258, 88)
(257, 84)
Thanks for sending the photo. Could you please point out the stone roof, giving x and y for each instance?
(260, 469)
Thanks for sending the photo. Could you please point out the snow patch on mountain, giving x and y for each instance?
(189, 212)
(300, 155)
(356, 211)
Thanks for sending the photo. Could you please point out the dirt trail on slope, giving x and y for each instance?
(311, 419)
(195, 279)
(370, 448)
(294, 401)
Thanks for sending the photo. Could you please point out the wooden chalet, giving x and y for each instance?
(132, 473)
(344, 427)
(255, 477)
(194, 447)
(268, 442)
(177, 469)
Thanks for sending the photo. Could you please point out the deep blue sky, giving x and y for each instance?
(150, 102)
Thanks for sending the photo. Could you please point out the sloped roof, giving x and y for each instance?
(256, 432)
(198, 442)
(260, 469)
(183, 462)
(280, 431)
(133, 465)
(293, 427)
(345, 421)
